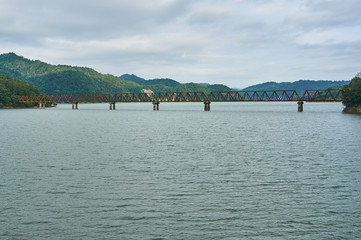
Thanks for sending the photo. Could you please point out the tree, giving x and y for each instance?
(352, 93)
(11, 88)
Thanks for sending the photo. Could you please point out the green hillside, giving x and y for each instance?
(10, 88)
(176, 86)
(63, 79)
(299, 86)
(158, 81)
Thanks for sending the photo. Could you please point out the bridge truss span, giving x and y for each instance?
(207, 98)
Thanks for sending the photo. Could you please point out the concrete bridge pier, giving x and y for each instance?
(41, 105)
(112, 106)
(300, 106)
(74, 105)
(207, 106)
(156, 106)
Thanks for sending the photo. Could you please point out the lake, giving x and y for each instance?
(240, 171)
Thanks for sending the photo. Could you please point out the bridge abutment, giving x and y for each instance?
(300, 106)
(156, 106)
(207, 106)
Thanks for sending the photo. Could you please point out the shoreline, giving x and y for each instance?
(352, 110)
(35, 107)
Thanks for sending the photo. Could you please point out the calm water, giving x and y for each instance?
(240, 171)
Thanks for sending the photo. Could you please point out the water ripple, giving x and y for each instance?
(238, 172)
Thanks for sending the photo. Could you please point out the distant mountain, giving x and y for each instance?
(134, 78)
(176, 86)
(162, 81)
(299, 86)
(64, 79)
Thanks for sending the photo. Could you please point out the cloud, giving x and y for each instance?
(235, 42)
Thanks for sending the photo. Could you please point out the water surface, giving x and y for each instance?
(240, 171)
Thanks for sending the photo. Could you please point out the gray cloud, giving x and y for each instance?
(237, 43)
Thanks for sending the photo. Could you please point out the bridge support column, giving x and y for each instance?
(156, 106)
(300, 106)
(41, 105)
(112, 106)
(74, 105)
(207, 106)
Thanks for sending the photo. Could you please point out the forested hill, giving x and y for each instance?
(63, 79)
(175, 86)
(10, 88)
(299, 86)
(163, 81)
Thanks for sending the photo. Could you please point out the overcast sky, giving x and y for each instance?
(233, 42)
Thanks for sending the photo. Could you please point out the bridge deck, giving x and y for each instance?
(232, 96)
